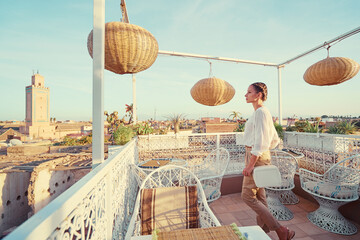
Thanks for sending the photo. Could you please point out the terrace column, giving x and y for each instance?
(98, 83)
(279, 93)
(134, 97)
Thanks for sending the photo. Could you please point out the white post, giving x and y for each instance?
(217, 140)
(279, 85)
(98, 83)
(134, 97)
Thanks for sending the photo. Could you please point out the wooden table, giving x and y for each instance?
(253, 233)
(153, 164)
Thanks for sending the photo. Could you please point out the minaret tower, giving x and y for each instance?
(37, 115)
(37, 102)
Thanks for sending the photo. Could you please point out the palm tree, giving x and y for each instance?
(129, 111)
(235, 115)
(176, 120)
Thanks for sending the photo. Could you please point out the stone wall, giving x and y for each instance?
(27, 189)
(27, 150)
(14, 205)
(46, 184)
(35, 150)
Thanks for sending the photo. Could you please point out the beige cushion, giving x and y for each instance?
(168, 209)
(329, 190)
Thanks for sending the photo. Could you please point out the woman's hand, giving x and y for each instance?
(248, 170)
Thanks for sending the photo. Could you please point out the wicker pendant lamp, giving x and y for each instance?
(128, 48)
(331, 71)
(212, 91)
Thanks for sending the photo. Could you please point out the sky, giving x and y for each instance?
(51, 37)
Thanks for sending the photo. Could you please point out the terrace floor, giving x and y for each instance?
(231, 209)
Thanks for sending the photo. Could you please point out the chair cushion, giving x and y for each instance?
(329, 190)
(168, 209)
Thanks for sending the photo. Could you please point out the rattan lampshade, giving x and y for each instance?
(331, 71)
(128, 48)
(212, 91)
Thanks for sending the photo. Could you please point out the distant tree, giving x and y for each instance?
(324, 116)
(279, 129)
(129, 111)
(235, 115)
(343, 127)
(114, 123)
(176, 119)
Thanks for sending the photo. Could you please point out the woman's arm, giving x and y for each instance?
(250, 167)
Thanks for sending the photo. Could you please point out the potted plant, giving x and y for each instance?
(115, 130)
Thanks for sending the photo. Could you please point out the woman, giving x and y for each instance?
(260, 136)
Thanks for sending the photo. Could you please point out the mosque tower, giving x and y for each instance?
(37, 115)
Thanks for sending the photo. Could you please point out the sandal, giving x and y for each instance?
(290, 234)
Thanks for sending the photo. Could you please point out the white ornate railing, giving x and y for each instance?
(321, 151)
(99, 206)
(192, 147)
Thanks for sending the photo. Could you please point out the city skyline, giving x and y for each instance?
(52, 39)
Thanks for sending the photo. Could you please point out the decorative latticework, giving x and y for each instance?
(193, 148)
(123, 191)
(277, 209)
(172, 176)
(321, 151)
(287, 165)
(337, 186)
(329, 218)
(210, 170)
(88, 220)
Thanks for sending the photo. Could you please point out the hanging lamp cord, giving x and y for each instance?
(210, 72)
(125, 17)
(328, 50)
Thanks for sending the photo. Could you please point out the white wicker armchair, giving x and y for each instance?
(336, 187)
(172, 176)
(211, 170)
(139, 173)
(276, 196)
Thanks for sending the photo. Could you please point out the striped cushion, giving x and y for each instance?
(169, 208)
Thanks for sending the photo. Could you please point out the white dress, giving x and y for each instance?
(260, 133)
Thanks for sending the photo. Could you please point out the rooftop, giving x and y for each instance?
(111, 188)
